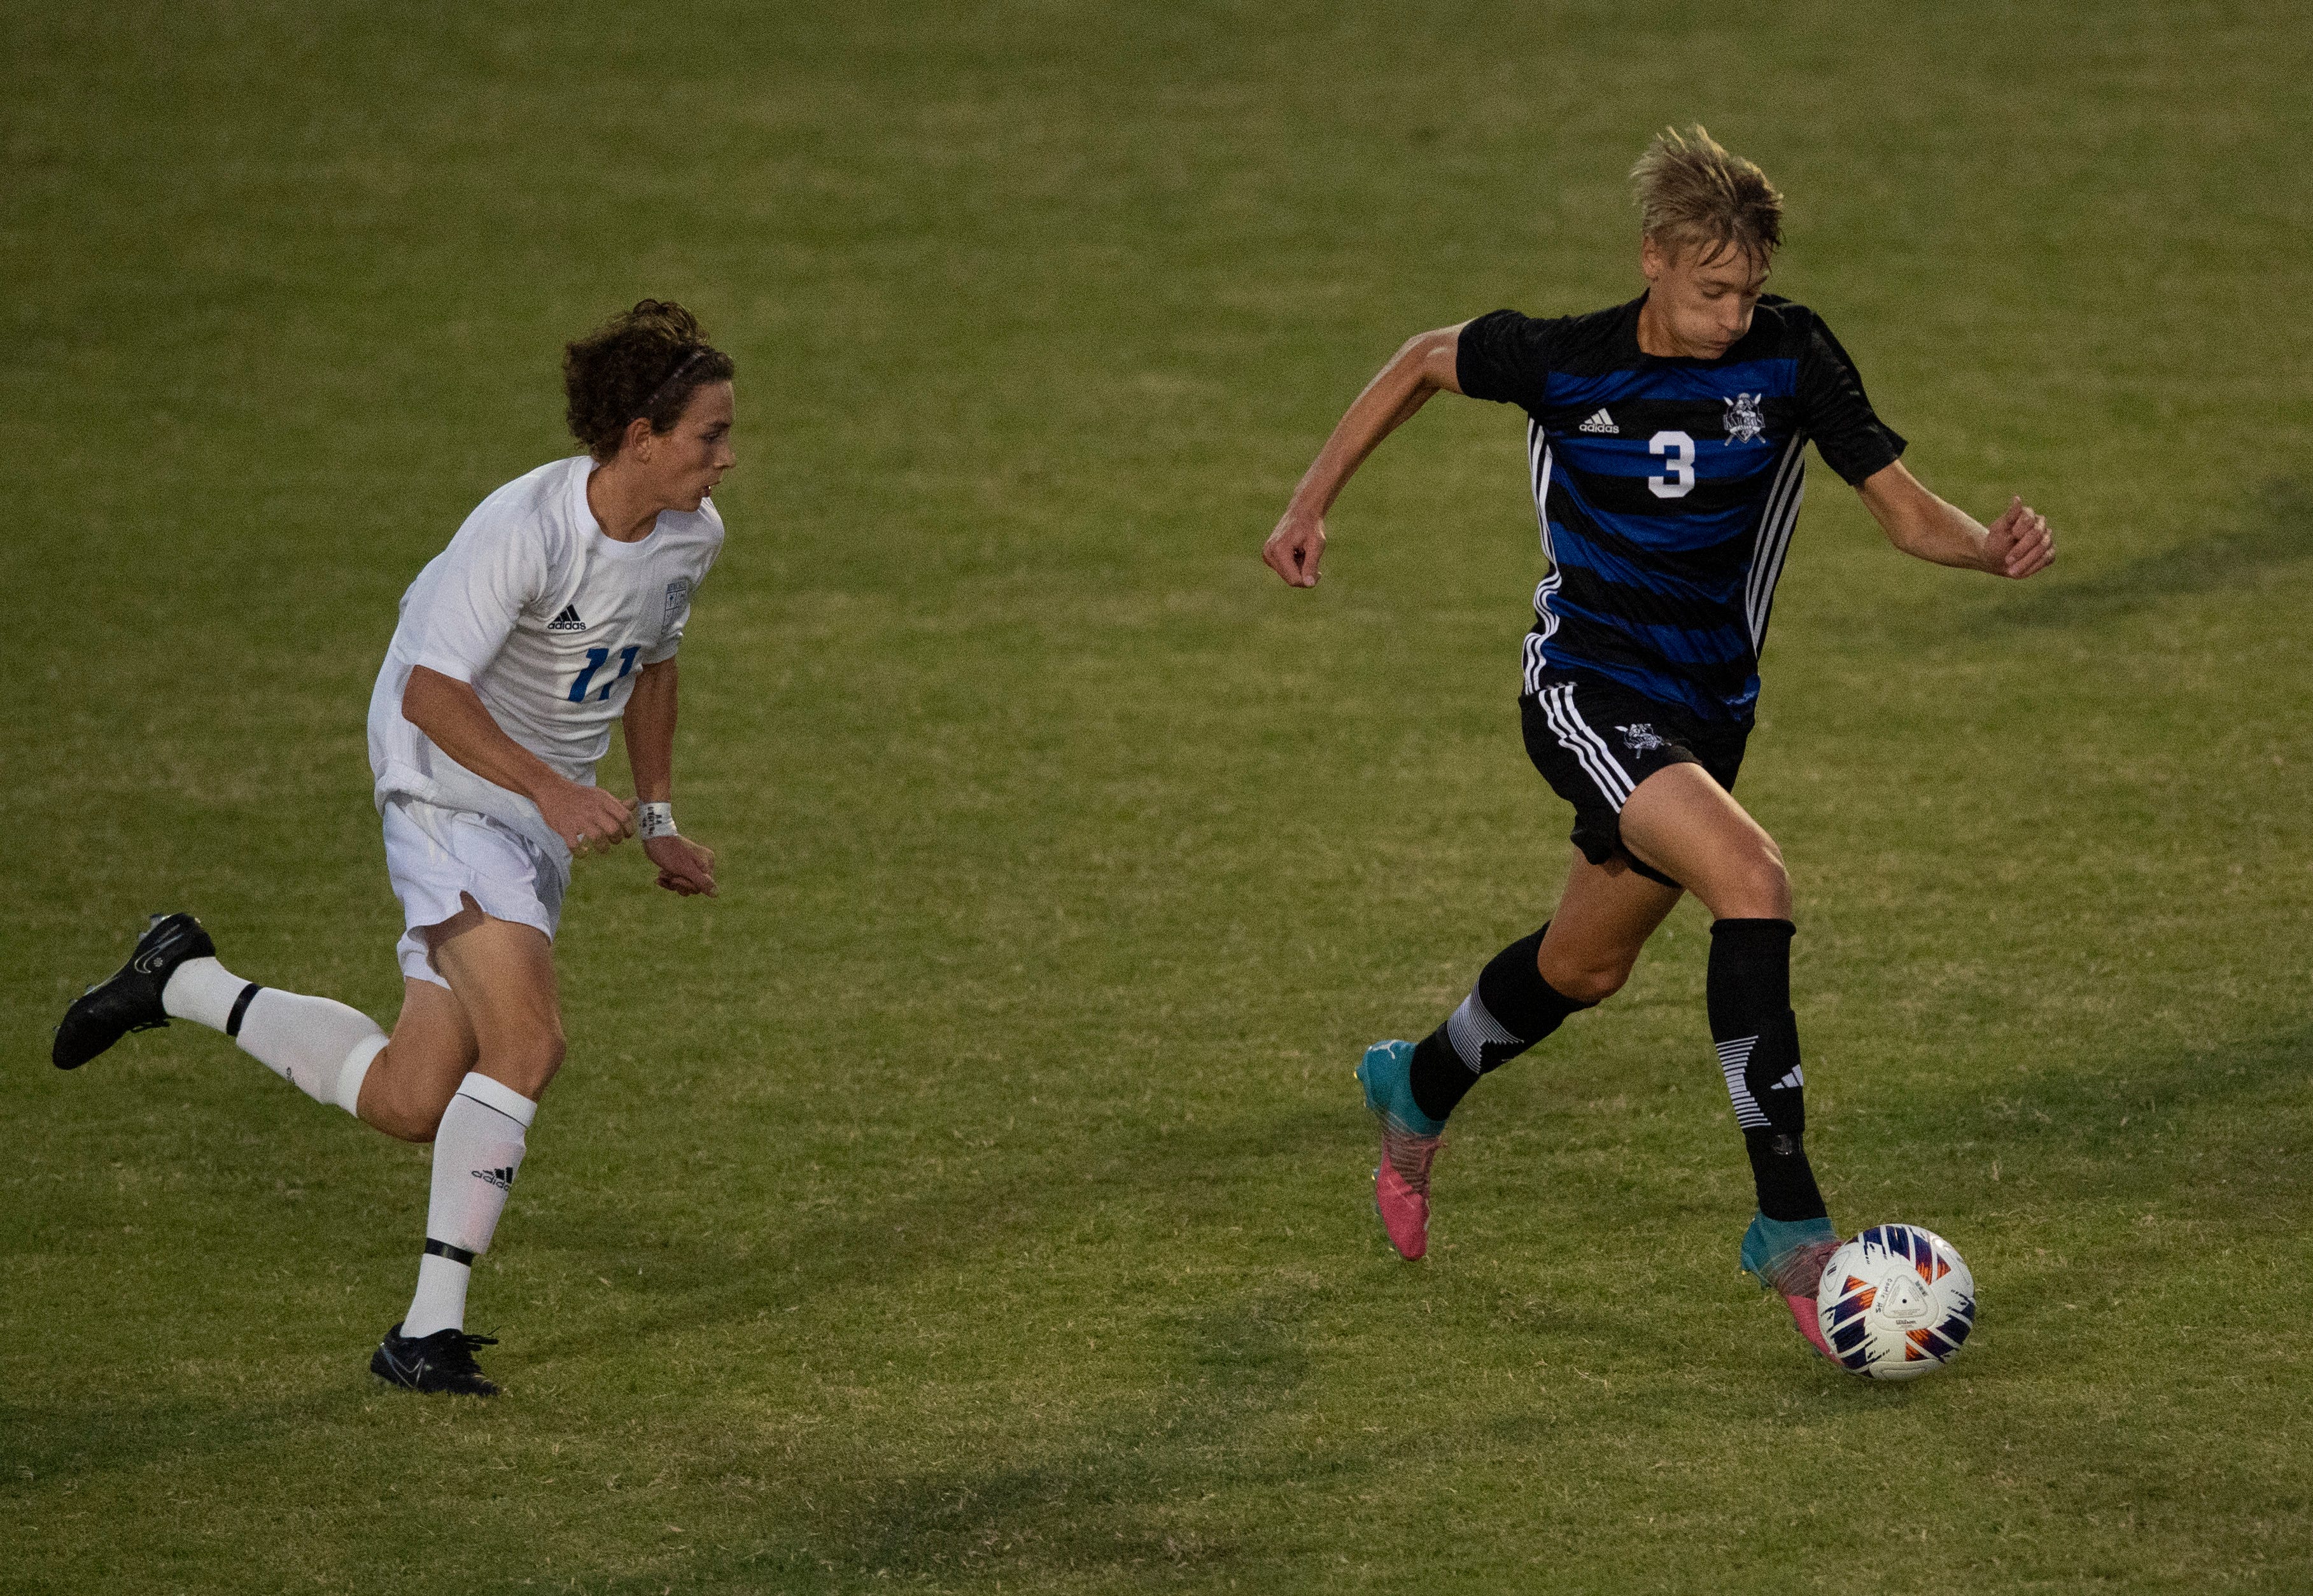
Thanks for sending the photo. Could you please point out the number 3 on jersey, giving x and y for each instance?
(596, 658)
(1679, 481)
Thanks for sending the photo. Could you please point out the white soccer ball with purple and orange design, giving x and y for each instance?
(1896, 1303)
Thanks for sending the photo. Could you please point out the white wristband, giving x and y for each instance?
(655, 819)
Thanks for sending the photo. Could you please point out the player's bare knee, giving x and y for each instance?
(527, 1067)
(1584, 980)
(1759, 887)
(1589, 983)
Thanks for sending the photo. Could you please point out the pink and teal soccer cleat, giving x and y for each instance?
(1409, 1140)
(1786, 1257)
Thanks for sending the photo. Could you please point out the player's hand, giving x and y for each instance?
(588, 820)
(2019, 543)
(685, 868)
(1295, 547)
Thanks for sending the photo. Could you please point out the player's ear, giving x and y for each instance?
(638, 439)
(1652, 260)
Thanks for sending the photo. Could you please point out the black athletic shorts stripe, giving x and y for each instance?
(1595, 740)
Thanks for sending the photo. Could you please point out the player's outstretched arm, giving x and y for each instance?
(452, 715)
(1421, 367)
(685, 868)
(2016, 545)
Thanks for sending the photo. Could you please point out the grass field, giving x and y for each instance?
(975, 1198)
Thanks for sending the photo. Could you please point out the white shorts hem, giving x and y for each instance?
(437, 858)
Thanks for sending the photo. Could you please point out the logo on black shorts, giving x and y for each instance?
(1643, 737)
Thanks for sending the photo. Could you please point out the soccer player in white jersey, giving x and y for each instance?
(553, 614)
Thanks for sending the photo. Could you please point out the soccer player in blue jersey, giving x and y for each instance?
(1664, 444)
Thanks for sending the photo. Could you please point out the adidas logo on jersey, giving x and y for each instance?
(1600, 422)
(568, 621)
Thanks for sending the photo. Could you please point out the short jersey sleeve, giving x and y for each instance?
(669, 641)
(678, 598)
(479, 586)
(1838, 416)
(679, 593)
(1505, 356)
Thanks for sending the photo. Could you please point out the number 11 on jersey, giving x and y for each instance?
(596, 658)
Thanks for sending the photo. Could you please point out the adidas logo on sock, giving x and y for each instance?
(568, 621)
(501, 1178)
(1789, 1081)
(1600, 422)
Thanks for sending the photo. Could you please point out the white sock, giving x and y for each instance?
(317, 1045)
(203, 991)
(476, 1151)
(440, 1303)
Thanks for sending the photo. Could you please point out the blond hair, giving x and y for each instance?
(1690, 190)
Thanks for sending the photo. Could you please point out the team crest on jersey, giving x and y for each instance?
(1642, 737)
(677, 594)
(1745, 420)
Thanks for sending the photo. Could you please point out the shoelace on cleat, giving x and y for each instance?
(1411, 1155)
(455, 1353)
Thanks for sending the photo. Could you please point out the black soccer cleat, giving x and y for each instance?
(130, 999)
(440, 1362)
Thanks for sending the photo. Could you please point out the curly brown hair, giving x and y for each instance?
(646, 363)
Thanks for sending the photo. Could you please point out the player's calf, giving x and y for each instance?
(478, 1151)
(1749, 992)
(1509, 1009)
(1749, 988)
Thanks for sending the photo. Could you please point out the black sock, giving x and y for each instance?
(1509, 1010)
(1749, 989)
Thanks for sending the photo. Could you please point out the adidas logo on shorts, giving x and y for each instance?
(1600, 422)
(568, 621)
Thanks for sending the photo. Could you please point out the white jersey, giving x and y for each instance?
(549, 620)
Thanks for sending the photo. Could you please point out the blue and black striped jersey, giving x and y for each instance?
(1666, 488)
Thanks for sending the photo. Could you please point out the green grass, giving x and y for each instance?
(974, 1197)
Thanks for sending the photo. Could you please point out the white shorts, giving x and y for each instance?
(437, 857)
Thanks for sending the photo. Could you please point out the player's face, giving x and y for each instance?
(687, 462)
(1702, 299)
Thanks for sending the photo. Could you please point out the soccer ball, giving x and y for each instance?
(1896, 1303)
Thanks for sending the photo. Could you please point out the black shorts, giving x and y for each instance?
(1595, 740)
